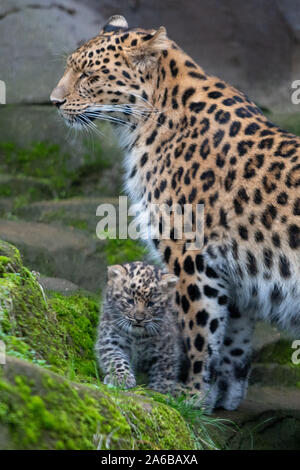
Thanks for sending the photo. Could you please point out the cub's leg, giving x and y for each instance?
(235, 361)
(114, 360)
(202, 300)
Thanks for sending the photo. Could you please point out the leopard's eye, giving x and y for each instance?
(150, 304)
(130, 301)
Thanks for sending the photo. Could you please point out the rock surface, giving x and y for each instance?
(264, 334)
(24, 125)
(58, 285)
(76, 212)
(269, 419)
(35, 37)
(254, 45)
(58, 251)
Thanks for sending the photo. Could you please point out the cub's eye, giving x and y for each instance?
(150, 304)
(130, 301)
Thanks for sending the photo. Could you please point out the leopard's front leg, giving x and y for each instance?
(164, 369)
(202, 299)
(114, 360)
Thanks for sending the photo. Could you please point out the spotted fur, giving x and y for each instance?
(189, 137)
(138, 331)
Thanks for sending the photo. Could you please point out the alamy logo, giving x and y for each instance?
(296, 354)
(295, 97)
(156, 221)
(2, 353)
(2, 92)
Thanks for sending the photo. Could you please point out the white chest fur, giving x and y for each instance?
(139, 208)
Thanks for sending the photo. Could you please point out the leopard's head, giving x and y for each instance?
(138, 296)
(110, 74)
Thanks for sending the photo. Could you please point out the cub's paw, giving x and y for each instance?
(120, 381)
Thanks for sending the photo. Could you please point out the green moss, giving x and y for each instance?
(78, 316)
(58, 332)
(149, 420)
(5, 190)
(79, 224)
(279, 352)
(41, 410)
(123, 251)
(45, 163)
(4, 261)
(45, 412)
(275, 365)
(10, 252)
(40, 160)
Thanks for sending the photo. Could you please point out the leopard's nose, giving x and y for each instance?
(139, 317)
(56, 102)
(57, 96)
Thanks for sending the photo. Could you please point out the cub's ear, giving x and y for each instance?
(147, 52)
(169, 282)
(115, 23)
(115, 271)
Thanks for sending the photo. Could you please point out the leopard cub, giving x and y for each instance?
(138, 330)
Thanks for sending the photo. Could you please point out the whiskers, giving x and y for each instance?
(124, 324)
(99, 112)
(148, 328)
(152, 328)
(126, 115)
(125, 118)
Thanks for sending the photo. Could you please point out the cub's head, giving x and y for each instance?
(138, 296)
(113, 72)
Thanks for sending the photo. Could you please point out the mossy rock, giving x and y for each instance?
(58, 332)
(279, 352)
(42, 410)
(59, 251)
(24, 189)
(273, 363)
(79, 213)
(96, 172)
(268, 419)
(272, 430)
(275, 374)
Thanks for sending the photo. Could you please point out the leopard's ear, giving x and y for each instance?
(146, 53)
(115, 23)
(169, 281)
(115, 271)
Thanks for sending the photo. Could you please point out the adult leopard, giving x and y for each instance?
(191, 138)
